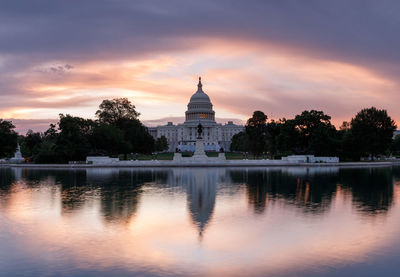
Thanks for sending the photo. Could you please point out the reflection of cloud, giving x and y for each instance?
(160, 238)
(163, 241)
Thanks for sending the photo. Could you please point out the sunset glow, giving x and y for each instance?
(244, 67)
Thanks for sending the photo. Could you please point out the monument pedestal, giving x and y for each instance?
(199, 153)
(177, 157)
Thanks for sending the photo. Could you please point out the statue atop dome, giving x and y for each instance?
(199, 87)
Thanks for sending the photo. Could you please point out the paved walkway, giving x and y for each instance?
(210, 163)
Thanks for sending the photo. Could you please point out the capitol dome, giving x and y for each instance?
(200, 107)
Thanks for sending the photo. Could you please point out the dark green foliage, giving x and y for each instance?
(396, 146)
(256, 133)
(47, 153)
(51, 133)
(72, 142)
(239, 142)
(137, 135)
(288, 139)
(121, 113)
(273, 132)
(311, 132)
(108, 139)
(372, 129)
(30, 143)
(116, 110)
(117, 131)
(161, 144)
(8, 139)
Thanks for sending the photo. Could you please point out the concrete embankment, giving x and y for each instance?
(228, 163)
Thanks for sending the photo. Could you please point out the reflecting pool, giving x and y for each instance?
(288, 221)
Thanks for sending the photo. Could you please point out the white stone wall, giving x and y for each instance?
(215, 135)
(310, 159)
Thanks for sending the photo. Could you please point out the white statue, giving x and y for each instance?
(17, 156)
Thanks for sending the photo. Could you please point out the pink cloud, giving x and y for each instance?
(239, 77)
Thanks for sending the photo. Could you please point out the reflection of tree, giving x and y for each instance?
(372, 188)
(396, 174)
(7, 179)
(120, 202)
(119, 190)
(257, 190)
(313, 190)
(74, 190)
(303, 190)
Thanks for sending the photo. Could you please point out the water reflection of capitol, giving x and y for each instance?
(200, 186)
(120, 190)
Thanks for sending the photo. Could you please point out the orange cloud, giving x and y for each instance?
(239, 76)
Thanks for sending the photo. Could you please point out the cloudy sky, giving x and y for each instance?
(281, 57)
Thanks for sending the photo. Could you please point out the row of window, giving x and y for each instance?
(200, 116)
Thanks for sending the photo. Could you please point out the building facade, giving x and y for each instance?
(182, 136)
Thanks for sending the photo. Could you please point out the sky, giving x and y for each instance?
(280, 57)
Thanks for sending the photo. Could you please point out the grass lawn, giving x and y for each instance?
(234, 156)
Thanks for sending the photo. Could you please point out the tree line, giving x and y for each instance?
(116, 130)
(368, 134)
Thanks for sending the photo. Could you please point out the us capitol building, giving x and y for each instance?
(182, 137)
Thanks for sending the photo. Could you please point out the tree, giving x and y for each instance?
(31, 143)
(72, 143)
(161, 144)
(396, 145)
(273, 131)
(256, 132)
(311, 132)
(288, 140)
(137, 135)
(239, 142)
(116, 110)
(51, 134)
(108, 139)
(372, 129)
(8, 139)
(121, 113)
(316, 132)
(46, 153)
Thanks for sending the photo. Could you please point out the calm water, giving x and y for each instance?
(202, 222)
